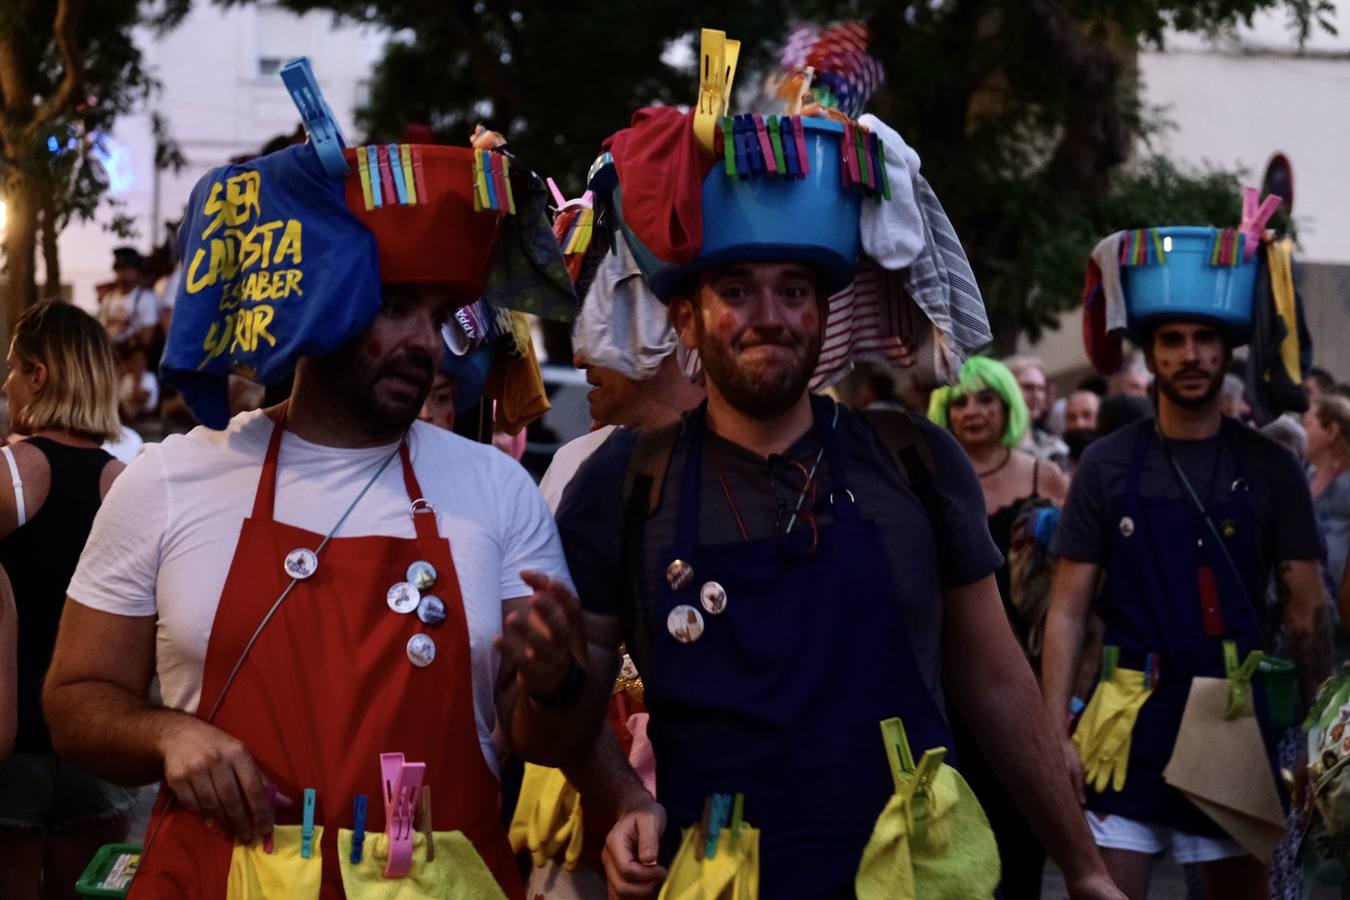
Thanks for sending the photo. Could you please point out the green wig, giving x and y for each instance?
(978, 374)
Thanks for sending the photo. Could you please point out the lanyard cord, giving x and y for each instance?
(239, 663)
(1214, 532)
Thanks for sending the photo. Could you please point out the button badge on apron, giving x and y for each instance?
(431, 610)
(422, 575)
(1228, 529)
(1126, 526)
(713, 597)
(301, 563)
(421, 650)
(403, 598)
(685, 624)
(679, 575)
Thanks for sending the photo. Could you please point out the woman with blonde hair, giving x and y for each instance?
(1327, 422)
(62, 394)
(986, 413)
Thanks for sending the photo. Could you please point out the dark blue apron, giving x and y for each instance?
(781, 697)
(1151, 604)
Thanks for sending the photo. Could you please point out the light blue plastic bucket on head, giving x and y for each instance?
(767, 218)
(1188, 287)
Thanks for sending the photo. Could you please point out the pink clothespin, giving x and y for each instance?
(1254, 219)
(402, 783)
(558, 199)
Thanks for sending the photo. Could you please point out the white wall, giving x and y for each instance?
(217, 105)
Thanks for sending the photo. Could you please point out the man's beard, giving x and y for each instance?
(1167, 386)
(760, 395)
(358, 379)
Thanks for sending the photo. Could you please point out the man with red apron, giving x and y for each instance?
(1186, 515)
(781, 585)
(368, 604)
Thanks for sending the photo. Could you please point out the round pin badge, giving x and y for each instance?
(1228, 529)
(1126, 526)
(431, 610)
(713, 597)
(301, 563)
(421, 650)
(403, 598)
(422, 575)
(679, 575)
(685, 624)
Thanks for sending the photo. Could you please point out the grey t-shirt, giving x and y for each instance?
(590, 518)
(1288, 529)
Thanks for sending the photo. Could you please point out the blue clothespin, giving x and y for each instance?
(307, 827)
(358, 828)
(721, 810)
(319, 121)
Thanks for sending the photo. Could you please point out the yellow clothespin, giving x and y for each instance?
(717, 72)
(912, 782)
(1239, 677)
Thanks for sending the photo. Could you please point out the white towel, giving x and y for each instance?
(892, 230)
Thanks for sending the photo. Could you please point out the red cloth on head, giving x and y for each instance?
(661, 168)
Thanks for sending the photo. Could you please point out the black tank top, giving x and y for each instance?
(40, 559)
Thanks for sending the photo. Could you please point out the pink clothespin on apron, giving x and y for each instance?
(1254, 219)
(402, 783)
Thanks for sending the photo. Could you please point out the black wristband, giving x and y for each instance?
(569, 692)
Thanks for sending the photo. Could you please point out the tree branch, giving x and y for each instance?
(67, 93)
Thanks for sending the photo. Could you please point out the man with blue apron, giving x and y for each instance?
(1185, 515)
(783, 582)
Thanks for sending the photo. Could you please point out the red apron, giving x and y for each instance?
(328, 687)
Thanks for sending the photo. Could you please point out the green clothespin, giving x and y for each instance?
(729, 145)
(1110, 659)
(737, 820)
(1239, 677)
(897, 751)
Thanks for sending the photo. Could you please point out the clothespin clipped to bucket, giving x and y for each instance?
(402, 782)
(1239, 677)
(307, 826)
(1254, 219)
(319, 121)
(717, 72)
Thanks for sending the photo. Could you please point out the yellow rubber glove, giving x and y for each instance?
(1103, 735)
(547, 821)
(256, 874)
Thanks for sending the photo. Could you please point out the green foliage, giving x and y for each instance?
(1025, 112)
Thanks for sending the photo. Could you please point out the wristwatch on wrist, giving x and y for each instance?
(569, 692)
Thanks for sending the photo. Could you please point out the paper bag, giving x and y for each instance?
(1221, 766)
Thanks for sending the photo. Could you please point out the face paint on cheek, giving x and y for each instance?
(809, 321)
(726, 324)
(373, 349)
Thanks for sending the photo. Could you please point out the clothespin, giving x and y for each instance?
(396, 169)
(910, 780)
(373, 168)
(1254, 218)
(558, 199)
(416, 154)
(765, 145)
(319, 121)
(776, 139)
(1110, 659)
(721, 810)
(704, 824)
(898, 753)
(1239, 677)
(881, 166)
(742, 161)
(267, 842)
(358, 828)
(921, 785)
(737, 820)
(789, 140)
(717, 72)
(402, 782)
(424, 813)
(802, 156)
(729, 145)
(307, 826)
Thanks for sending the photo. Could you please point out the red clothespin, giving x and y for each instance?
(402, 782)
(765, 145)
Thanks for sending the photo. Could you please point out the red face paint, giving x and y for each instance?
(374, 348)
(726, 323)
(808, 321)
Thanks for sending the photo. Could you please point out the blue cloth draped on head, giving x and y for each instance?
(275, 267)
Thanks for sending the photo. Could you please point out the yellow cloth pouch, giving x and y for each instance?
(456, 872)
(282, 874)
(932, 840)
(730, 874)
(548, 818)
(1102, 737)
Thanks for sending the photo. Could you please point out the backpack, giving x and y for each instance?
(644, 482)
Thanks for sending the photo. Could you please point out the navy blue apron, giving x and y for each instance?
(1151, 604)
(781, 696)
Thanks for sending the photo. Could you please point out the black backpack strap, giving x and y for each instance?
(900, 436)
(642, 488)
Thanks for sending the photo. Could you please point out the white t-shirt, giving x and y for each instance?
(567, 460)
(164, 538)
(125, 314)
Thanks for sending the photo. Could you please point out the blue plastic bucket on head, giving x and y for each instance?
(1186, 286)
(767, 218)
